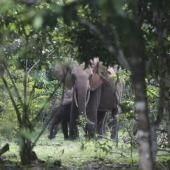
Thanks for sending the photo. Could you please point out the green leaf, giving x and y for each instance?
(38, 21)
(27, 29)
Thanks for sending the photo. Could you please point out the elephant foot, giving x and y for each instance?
(114, 134)
(114, 138)
(66, 137)
(73, 138)
(90, 132)
(99, 136)
(74, 134)
(51, 137)
(91, 136)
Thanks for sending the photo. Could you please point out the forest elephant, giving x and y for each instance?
(61, 115)
(107, 98)
(94, 94)
(78, 77)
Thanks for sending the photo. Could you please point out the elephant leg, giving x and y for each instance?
(101, 121)
(114, 131)
(66, 120)
(65, 129)
(91, 128)
(53, 131)
(58, 118)
(85, 131)
(90, 131)
(73, 122)
(92, 108)
(105, 123)
(54, 128)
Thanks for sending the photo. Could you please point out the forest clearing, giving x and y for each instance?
(81, 154)
(84, 84)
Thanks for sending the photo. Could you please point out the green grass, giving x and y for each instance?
(76, 153)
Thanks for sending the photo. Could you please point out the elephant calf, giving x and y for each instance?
(61, 116)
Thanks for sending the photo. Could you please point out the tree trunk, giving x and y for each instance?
(138, 75)
(167, 105)
(168, 128)
(26, 153)
(141, 107)
(164, 79)
(137, 61)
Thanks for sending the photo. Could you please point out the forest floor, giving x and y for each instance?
(79, 155)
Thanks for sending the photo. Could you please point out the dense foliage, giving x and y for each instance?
(35, 35)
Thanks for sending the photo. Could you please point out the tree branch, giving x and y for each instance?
(45, 104)
(46, 124)
(34, 65)
(14, 85)
(13, 101)
(4, 149)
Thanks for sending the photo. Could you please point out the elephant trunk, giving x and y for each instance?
(81, 98)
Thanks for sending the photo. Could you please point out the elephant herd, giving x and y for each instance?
(90, 91)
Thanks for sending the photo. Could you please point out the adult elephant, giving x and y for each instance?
(78, 79)
(106, 98)
(94, 94)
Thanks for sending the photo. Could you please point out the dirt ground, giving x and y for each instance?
(91, 165)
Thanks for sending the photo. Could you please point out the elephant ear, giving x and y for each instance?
(95, 81)
(68, 78)
(62, 73)
(58, 72)
(99, 68)
(111, 72)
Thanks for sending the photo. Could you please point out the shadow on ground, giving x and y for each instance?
(90, 165)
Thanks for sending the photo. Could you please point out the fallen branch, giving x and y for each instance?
(4, 149)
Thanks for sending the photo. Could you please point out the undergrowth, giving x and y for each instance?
(76, 153)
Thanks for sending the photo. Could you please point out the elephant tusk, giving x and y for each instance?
(88, 121)
(75, 99)
(88, 97)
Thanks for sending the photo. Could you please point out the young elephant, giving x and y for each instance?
(61, 116)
